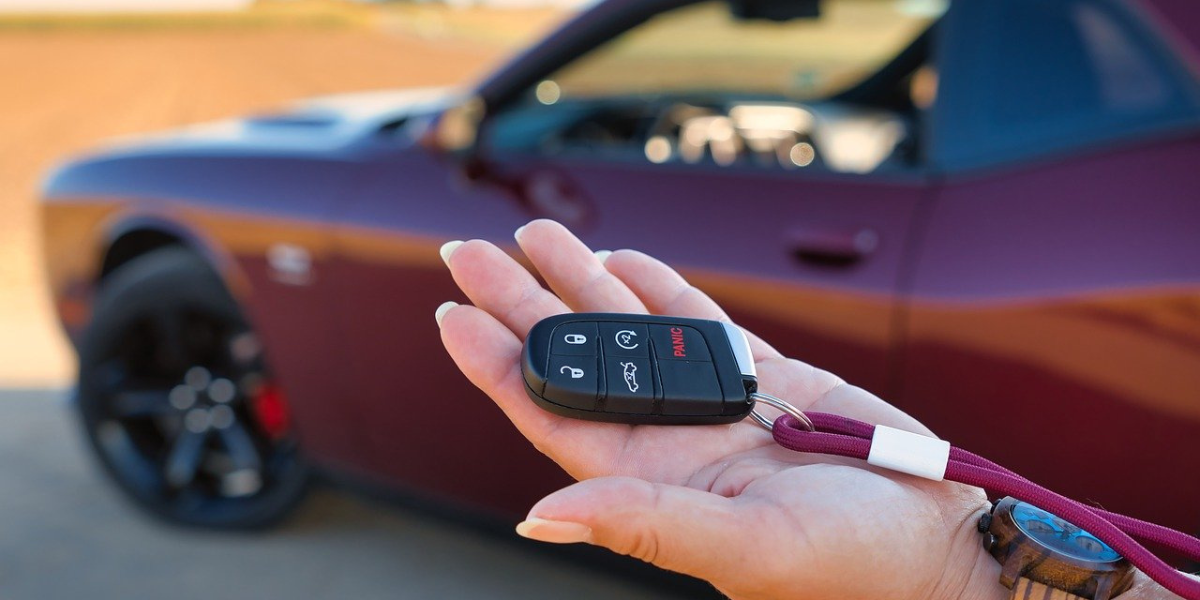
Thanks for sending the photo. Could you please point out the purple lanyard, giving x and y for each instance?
(842, 436)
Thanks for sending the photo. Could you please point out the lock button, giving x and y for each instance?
(574, 339)
(573, 381)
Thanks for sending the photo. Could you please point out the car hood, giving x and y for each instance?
(312, 125)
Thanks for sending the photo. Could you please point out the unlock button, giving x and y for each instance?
(573, 381)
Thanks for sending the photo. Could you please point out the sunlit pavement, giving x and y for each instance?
(65, 533)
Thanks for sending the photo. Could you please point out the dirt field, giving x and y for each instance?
(67, 86)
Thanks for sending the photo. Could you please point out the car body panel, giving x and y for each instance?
(1176, 21)
(1058, 306)
(235, 190)
(233, 208)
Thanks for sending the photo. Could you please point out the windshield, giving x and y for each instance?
(704, 48)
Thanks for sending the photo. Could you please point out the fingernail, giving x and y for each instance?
(554, 532)
(602, 255)
(447, 249)
(517, 233)
(441, 311)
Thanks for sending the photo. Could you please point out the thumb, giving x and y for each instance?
(673, 527)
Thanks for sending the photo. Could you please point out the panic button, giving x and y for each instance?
(678, 342)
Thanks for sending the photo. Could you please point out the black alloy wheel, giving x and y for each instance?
(178, 402)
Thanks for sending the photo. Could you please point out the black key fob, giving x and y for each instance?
(639, 369)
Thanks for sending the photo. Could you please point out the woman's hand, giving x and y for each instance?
(723, 503)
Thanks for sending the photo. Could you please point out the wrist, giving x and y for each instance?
(972, 573)
(1144, 588)
(983, 581)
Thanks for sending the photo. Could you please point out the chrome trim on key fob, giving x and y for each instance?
(741, 349)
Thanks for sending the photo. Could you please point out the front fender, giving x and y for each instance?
(79, 233)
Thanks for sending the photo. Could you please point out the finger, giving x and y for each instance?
(573, 271)
(499, 285)
(677, 528)
(665, 292)
(488, 353)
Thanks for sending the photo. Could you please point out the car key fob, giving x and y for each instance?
(639, 369)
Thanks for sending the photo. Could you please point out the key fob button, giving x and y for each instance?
(638, 369)
(573, 381)
(690, 388)
(625, 339)
(678, 342)
(630, 385)
(574, 339)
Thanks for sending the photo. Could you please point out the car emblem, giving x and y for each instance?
(290, 264)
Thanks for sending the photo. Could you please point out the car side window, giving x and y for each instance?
(839, 85)
(1028, 77)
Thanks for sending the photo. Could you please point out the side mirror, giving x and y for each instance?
(779, 11)
(457, 129)
(455, 133)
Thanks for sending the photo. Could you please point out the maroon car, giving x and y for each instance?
(985, 211)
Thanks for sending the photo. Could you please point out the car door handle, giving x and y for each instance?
(551, 194)
(833, 247)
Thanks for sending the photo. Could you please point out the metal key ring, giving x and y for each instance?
(770, 400)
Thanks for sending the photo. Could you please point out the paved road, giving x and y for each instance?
(65, 533)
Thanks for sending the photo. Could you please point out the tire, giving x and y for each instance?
(177, 401)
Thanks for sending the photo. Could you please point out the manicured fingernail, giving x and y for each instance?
(441, 311)
(447, 249)
(554, 532)
(517, 233)
(602, 255)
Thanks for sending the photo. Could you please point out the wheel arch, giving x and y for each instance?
(134, 243)
(132, 236)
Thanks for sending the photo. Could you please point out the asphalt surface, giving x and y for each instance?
(66, 533)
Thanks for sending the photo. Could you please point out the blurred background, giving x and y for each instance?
(937, 201)
(78, 72)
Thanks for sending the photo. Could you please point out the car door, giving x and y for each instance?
(1053, 323)
(792, 202)
(811, 263)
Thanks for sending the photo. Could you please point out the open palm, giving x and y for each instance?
(722, 502)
